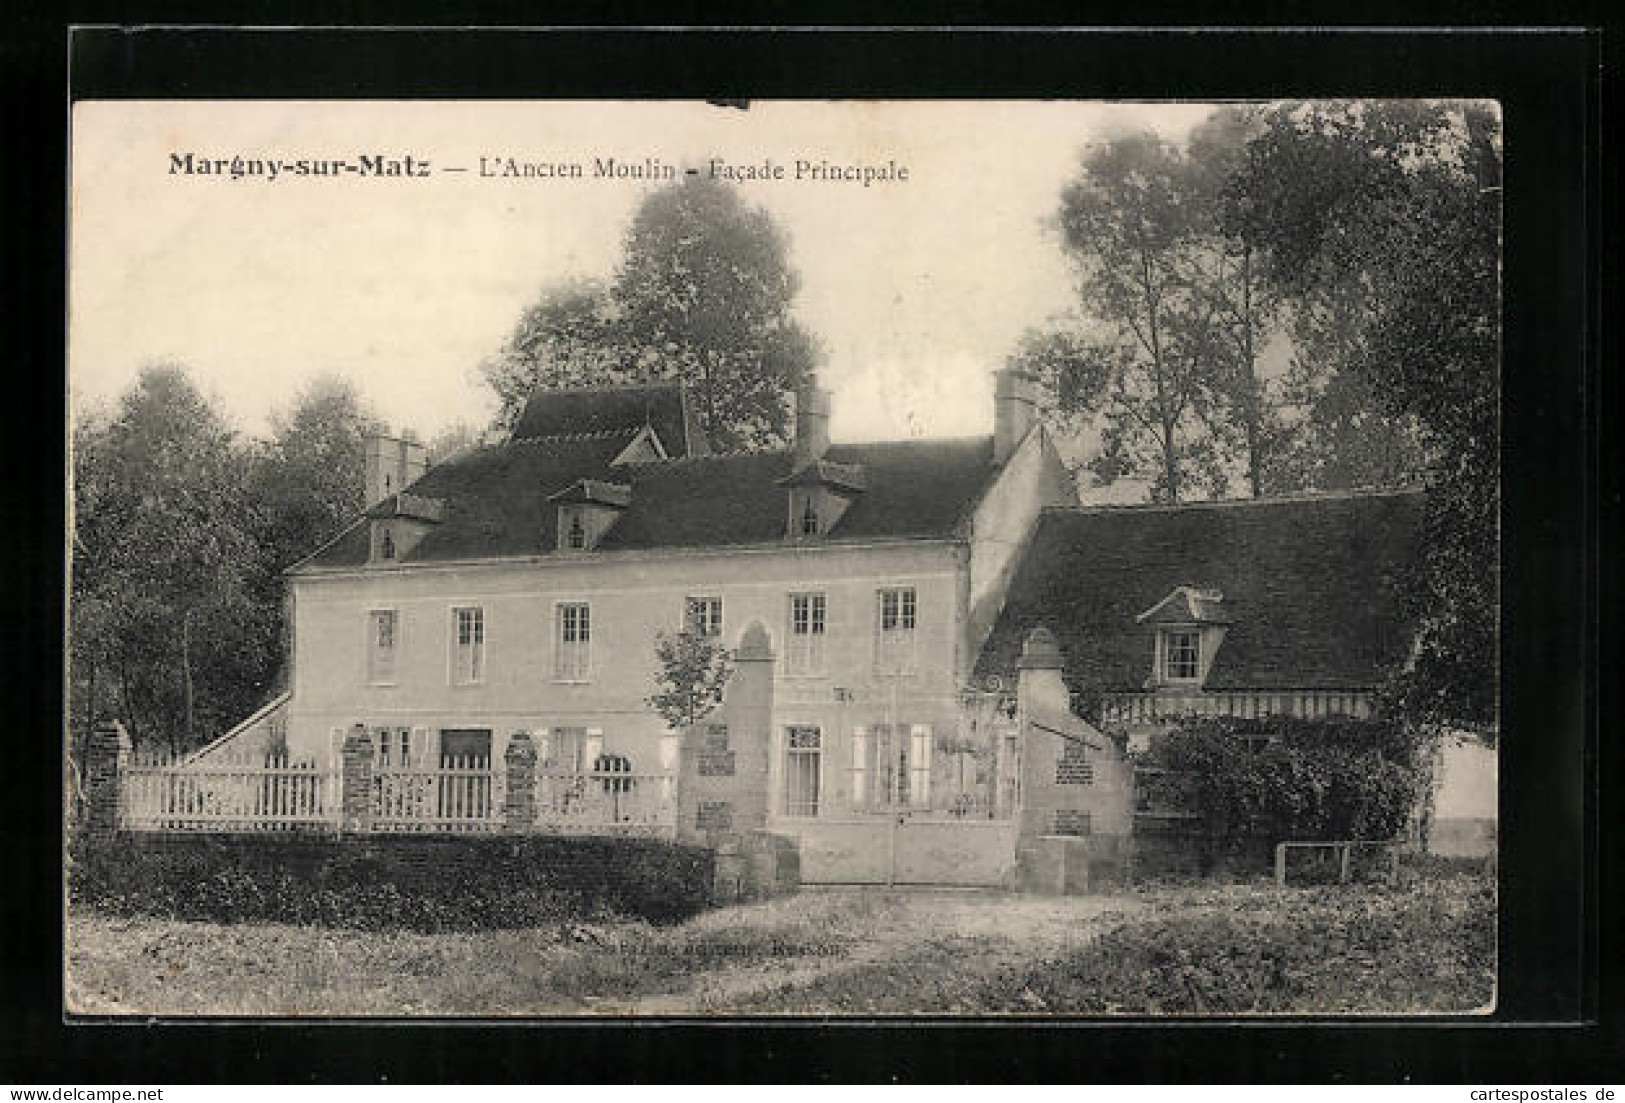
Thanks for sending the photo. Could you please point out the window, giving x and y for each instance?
(569, 751)
(381, 634)
(860, 767)
(803, 758)
(469, 662)
(703, 616)
(392, 745)
(919, 764)
(572, 653)
(386, 546)
(809, 517)
(1181, 654)
(575, 535)
(894, 635)
(804, 654)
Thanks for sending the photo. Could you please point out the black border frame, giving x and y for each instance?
(1550, 87)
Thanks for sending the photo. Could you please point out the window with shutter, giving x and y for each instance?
(804, 651)
(468, 667)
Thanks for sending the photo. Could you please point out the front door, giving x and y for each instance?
(465, 774)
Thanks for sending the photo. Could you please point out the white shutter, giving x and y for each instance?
(860, 767)
(920, 765)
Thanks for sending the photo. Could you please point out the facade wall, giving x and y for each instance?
(1003, 521)
(631, 597)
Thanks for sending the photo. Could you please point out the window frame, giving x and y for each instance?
(477, 645)
(582, 672)
(714, 605)
(1166, 637)
(380, 674)
(896, 649)
(800, 809)
(806, 660)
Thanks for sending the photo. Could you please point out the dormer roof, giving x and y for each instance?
(594, 492)
(843, 478)
(1186, 605)
(418, 507)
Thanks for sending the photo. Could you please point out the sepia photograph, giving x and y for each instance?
(748, 559)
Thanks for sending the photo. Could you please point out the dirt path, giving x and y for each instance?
(922, 952)
(864, 953)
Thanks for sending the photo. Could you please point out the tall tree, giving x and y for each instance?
(309, 474)
(1226, 272)
(703, 293)
(1387, 217)
(165, 565)
(1143, 356)
(570, 337)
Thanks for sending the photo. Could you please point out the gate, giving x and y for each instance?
(907, 848)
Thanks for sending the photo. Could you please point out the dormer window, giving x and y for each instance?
(1181, 654)
(819, 495)
(1188, 627)
(587, 509)
(386, 546)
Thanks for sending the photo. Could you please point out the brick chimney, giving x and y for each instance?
(1015, 410)
(812, 424)
(393, 464)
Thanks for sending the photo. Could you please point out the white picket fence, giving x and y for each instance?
(605, 802)
(270, 793)
(463, 794)
(459, 795)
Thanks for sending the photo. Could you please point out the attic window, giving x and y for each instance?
(1181, 654)
(577, 536)
(809, 517)
(386, 546)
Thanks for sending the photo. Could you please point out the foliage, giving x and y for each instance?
(309, 475)
(1382, 222)
(703, 293)
(1133, 234)
(168, 623)
(1248, 950)
(693, 677)
(1314, 780)
(415, 882)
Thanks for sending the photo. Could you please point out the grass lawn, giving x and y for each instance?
(1225, 949)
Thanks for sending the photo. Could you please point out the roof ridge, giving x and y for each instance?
(673, 461)
(571, 438)
(601, 387)
(962, 439)
(1226, 503)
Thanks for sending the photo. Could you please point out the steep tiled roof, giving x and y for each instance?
(552, 413)
(496, 499)
(1308, 587)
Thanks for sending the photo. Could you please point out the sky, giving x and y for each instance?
(918, 290)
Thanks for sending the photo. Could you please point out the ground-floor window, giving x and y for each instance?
(802, 767)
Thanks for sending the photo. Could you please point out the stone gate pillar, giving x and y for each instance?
(722, 783)
(1077, 784)
(356, 798)
(107, 753)
(519, 789)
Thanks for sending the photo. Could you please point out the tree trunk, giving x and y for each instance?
(186, 670)
(1252, 412)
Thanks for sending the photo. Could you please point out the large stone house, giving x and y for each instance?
(919, 623)
(521, 587)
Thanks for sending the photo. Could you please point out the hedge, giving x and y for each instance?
(424, 883)
(1312, 780)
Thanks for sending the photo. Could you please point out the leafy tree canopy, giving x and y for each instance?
(703, 293)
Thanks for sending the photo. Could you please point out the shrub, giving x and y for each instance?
(1322, 950)
(1313, 780)
(425, 883)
